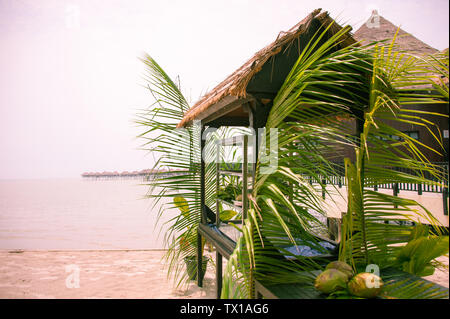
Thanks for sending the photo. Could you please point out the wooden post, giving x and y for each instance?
(445, 190)
(203, 211)
(244, 178)
(217, 183)
(395, 189)
(199, 260)
(444, 198)
(218, 274)
(324, 185)
(252, 120)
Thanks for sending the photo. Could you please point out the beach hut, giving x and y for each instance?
(245, 99)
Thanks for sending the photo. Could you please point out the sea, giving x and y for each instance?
(78, 214)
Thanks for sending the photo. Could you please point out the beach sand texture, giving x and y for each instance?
(104, 274)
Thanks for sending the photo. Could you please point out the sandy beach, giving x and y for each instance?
(104, 274)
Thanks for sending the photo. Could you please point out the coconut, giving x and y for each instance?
(366, 285)
(331, 280)
(341, 266)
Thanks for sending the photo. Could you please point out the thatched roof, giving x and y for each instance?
(235, 85)
(377, 28)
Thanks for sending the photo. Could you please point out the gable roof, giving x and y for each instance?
(235, 85)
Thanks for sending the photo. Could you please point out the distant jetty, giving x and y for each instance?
(145, 174)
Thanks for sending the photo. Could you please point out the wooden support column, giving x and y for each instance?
(445, 191)
(245, 179)
(203, 211)
(199, 260)
(202, 176)
(218, 274)
(218, 160)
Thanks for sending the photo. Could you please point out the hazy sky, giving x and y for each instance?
(70, 76)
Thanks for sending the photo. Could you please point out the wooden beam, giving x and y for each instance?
(229, 121)
(225, 105)
(224, 245)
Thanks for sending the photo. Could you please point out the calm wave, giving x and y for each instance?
(77, 214)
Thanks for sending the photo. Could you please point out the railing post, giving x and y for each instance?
(444, 198)
(324, 185)
(395, 189)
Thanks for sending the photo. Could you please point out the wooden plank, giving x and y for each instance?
(222, 242)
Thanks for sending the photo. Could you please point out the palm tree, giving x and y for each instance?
(325, 89)
(177, 150)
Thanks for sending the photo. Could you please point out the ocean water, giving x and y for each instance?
(64, 214)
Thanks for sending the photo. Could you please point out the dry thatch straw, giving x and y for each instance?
(236, 83)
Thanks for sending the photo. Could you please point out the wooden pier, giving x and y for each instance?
(145, 174)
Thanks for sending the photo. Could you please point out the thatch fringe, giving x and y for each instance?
(236, 83)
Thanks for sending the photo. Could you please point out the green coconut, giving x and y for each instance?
(341, 266)
(331, 280)
(366, 285)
